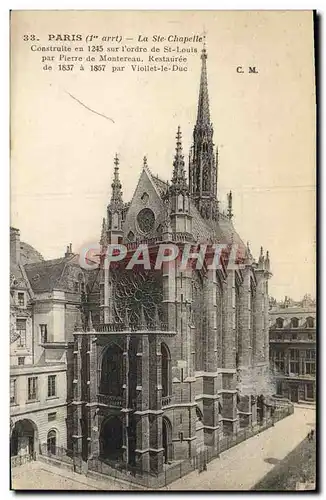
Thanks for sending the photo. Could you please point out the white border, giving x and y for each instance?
(4, 135)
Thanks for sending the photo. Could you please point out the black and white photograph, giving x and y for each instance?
(163, 250)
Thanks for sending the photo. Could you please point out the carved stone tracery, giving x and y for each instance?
(138, 295)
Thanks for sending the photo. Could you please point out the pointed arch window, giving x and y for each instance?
(144, 198)
(131, 236)
(146, 220)
(166, 370)
(112, 371)
(115, 220)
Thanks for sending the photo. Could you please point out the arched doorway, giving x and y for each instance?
(51, 442)
(167, 439)
(23, 438)
(112, 371)
(111, 439)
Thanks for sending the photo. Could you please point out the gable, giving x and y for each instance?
(147, 200)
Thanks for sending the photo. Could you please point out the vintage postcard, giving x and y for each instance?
(162, 250)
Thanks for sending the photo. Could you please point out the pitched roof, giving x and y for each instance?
(28, 254)
(47, 275)
(205, 230)
(161, 185)
(17, 277)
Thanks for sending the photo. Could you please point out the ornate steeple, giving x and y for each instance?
(267, 261)
(116, 206)
(116, 198)
(229, 211)
(179, 183)
(203, 163)
(178, 193)
(261, 260)
(203, 116)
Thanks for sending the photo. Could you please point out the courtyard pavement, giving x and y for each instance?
(238, 468)
(241, 467)
(42, 476)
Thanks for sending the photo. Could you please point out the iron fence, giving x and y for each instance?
(57, 452)
(172, 471)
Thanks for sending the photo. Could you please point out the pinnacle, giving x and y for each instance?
(179, 176)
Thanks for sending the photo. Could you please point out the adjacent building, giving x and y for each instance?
(292, 341)
(44, 296)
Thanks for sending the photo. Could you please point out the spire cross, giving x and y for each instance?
(204, 53)
(229, 212)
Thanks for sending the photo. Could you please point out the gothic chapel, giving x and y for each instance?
(170, 361)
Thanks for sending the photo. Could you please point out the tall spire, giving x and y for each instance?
(103, 240)
(230, 211)
(116, 198)
(115, 207)
(179, 182)
(203, 116)
(202, 162)
(261, 260)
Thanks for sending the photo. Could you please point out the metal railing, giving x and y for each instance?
(56, 452)
(109, 400)
(110, 327)
(171, 471)
(150, 242)
(182, 237)
(121, 327)
(166, 400)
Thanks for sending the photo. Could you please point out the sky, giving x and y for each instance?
(264, 125)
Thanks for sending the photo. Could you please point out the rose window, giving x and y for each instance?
(146, 220)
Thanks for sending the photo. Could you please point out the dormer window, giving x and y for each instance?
(294, 323)
(279, 323)
(21, 299)
(310, 322)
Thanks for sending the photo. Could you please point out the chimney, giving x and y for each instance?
(14, 245)
(69, 252)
